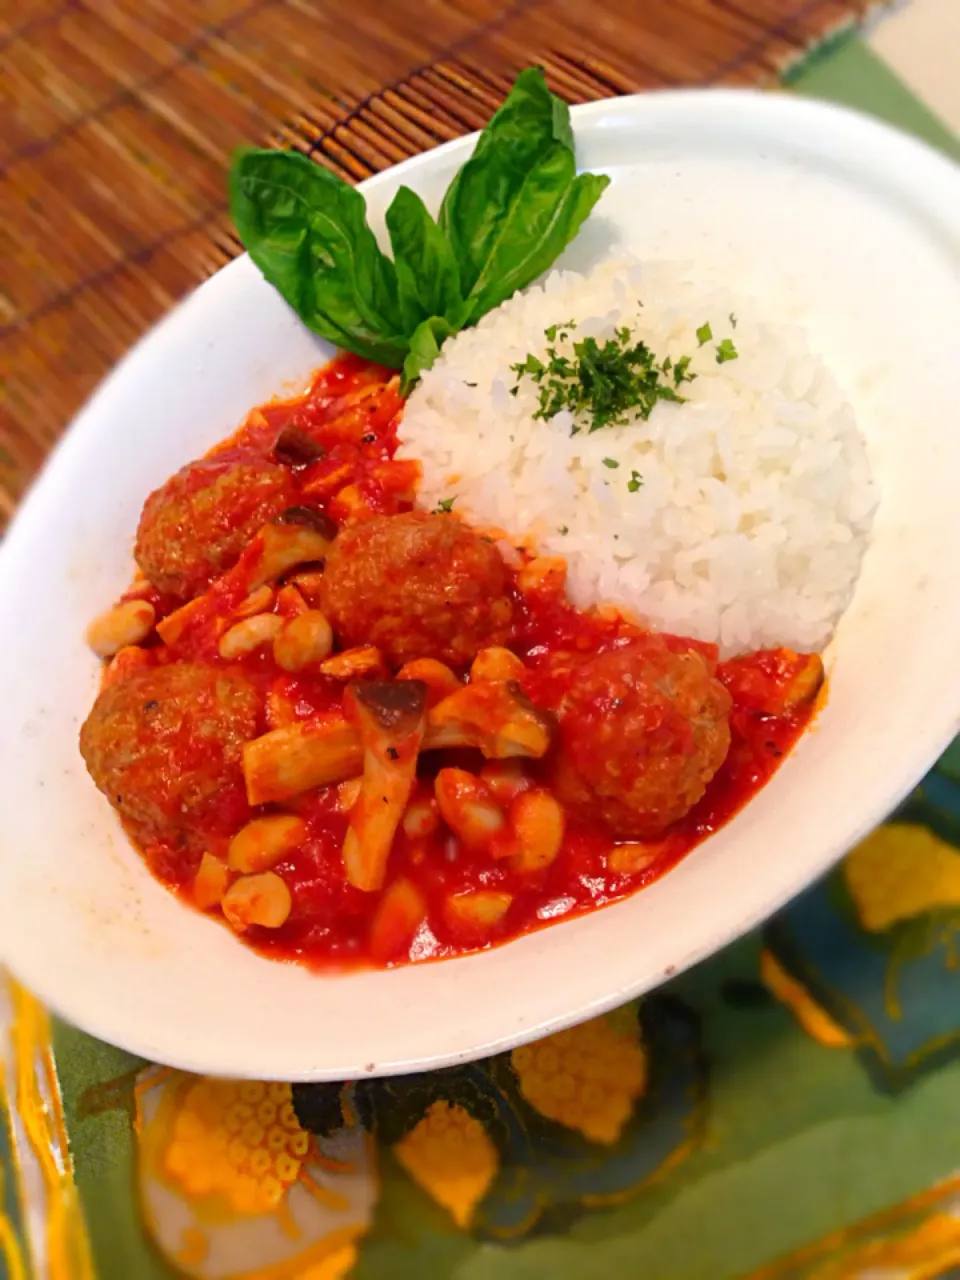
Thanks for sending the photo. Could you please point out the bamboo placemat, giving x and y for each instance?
(117, 119)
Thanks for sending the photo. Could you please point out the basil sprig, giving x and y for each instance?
(506, 217)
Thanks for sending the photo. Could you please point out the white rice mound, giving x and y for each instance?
(756, 500)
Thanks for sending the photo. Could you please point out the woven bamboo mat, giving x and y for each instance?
(117, 119)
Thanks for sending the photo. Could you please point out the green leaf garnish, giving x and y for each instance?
(680, 370)
(536, 368)
(428, 278)
(601, 382)
(612, 463)
(704, 334)
(726, 351)
(562, 329)
(307, 232)
(507, 215)
(444, 507)
(517, 202)
(733, 319)
(635, 482)
(425, 343)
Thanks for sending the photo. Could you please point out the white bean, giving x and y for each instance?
(538, 825)
(263, 899)
(467, 808)
(422, 818)
(248, 635)
(303, 641)
(477, 912)
(629, 859)
(126, 623)
(263, 842)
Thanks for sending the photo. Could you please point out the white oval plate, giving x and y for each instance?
(825, 216)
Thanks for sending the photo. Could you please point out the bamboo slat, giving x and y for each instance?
(117, 119)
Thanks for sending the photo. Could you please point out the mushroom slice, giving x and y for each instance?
(497, 717)
(298, 757)
(390, 717)
(172, 628)
(298, 536)
(363, 663)
(297, 448)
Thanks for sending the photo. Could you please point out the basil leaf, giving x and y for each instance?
(544, 216)
(508, 214)
(428, 278)
(517, 202)
(307, 232)
(425, 344)
(528, 124)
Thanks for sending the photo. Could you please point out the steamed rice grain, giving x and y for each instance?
(756, 500)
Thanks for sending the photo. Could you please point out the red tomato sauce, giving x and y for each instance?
(352, 412)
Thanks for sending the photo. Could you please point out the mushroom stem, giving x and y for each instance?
(497, 719)
(298, 536)
(299, 757)
(390, 717)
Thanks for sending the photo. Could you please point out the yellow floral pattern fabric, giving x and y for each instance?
(451, 1156)
(239, 1140)
(231, 1185)
(260, 1180)
(586, 1078)
(902, 871)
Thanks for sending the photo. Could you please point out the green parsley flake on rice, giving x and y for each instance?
(754, 503)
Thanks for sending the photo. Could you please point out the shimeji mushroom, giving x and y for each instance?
(297, 537)
(390, 717)
(298, 757)
(498, 719)
(296, 448)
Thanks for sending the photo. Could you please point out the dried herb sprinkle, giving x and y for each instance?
(603, 383)
(726, 351)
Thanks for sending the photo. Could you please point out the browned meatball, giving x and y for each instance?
(164, 744)
(642, 731)
(195, 526)
(417, 586)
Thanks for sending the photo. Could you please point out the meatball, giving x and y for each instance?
(642, 731)
(417, 586)
(164, 744)
(195, 526)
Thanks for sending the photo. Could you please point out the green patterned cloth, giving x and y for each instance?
(789, 1109)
